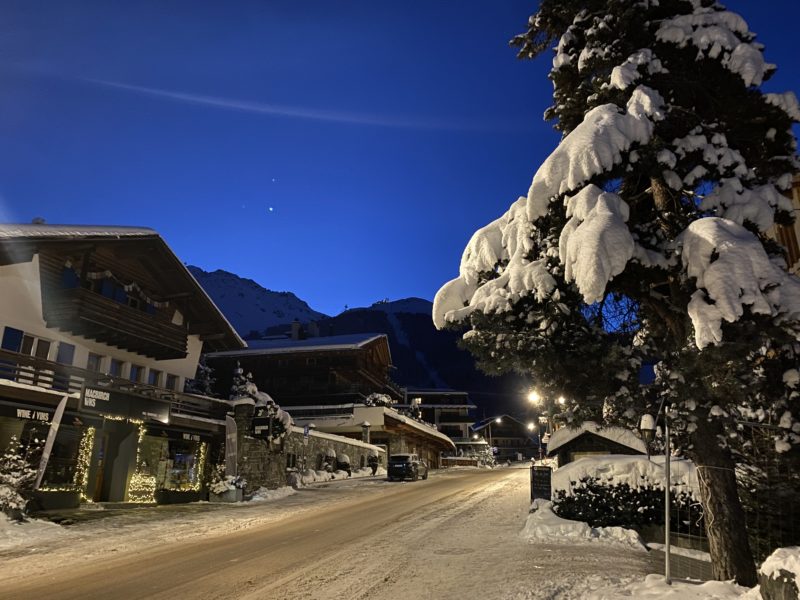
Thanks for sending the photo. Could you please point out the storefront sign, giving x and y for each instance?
(261, 427)
(42, 415)
(110, 402)
(177, 434)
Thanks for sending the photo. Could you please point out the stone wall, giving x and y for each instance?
(267, 465)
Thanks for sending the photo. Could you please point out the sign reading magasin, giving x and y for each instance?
(103, 401)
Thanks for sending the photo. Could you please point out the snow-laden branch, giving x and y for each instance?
(594, 147)
(732, 271)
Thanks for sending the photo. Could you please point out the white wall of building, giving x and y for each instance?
(21, 308)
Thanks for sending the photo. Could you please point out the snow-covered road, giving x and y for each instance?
(453, 536)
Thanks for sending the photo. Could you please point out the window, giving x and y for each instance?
(291, 461)
(154, 377)
(94, 362)
(34, 346)
(115, 368)
(172, 382)
(137, 373)
(66, 353)
(12, 339)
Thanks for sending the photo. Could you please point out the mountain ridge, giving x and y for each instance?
(423, 356)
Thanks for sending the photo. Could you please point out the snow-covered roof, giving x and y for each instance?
(334, 342)
(483, 424)
(376, 415)
(417, 425)
(14, 230)
(199, 310)
(620, 435)
(636, 471)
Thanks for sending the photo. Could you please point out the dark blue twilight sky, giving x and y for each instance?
(344, 151)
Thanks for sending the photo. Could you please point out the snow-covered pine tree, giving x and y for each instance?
(649, 221)
(16, 476)
(242, 386)
(203, 382)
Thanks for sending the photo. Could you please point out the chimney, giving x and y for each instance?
(296, 329)
(312, 329)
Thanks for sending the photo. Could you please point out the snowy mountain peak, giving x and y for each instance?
(250, 306)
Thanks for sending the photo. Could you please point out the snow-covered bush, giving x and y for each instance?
(376, 399)
(16, 476)
(601, 504)
(221, 483)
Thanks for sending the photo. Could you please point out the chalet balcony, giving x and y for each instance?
(49, 375)
(450, 418)
(83, 312)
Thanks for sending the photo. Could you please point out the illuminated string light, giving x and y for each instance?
(84, 460)
(142, 486)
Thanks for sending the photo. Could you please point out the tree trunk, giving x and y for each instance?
(731, 557)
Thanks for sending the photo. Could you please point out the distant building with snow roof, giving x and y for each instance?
(589, 439)
(327, 381)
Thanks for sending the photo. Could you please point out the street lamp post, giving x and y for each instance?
(647, 426)
(497, 420)
(532, 428)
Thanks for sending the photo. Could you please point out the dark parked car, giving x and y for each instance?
(406, 466)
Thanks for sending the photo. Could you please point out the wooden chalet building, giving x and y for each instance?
(326, 381)
(569, 444)
(106, 323)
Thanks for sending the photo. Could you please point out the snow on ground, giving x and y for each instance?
(267, 495)
(34, 546)
(543, 525)
(654, 587)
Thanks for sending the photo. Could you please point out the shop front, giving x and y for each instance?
(27, 423)
(138, 455)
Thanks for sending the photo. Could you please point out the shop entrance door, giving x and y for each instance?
(116, 460)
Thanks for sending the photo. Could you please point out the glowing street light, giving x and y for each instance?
(497, 420)
(534, 397)
(562, 400)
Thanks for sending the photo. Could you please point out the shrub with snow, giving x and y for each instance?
(601, 504)
(16, 476)
(221, 483)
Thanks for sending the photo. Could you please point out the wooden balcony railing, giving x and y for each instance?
(451, 418)
(92, 315)
(64, 378)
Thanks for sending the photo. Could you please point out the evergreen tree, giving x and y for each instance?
(203, 382)
(643, 235)
(16, 475)
(242, 386)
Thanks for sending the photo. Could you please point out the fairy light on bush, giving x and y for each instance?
(142, 486)
(200, 466)
(84, 460)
